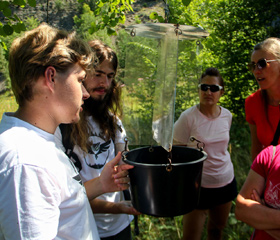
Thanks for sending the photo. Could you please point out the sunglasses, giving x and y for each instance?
(262, 63)
(213, 88)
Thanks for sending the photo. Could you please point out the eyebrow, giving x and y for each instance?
(111, 73)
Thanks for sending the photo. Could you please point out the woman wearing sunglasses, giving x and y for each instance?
(258, 202)
(209, 123)
(262, 107)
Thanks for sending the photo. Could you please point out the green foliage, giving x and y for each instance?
(12, 22)
(175, 12)
(59, 4)
(109, 13)
(6, 41)
(159, 228)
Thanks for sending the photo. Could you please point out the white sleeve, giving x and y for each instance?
(181, 130)
(120, 136)
(29, 203)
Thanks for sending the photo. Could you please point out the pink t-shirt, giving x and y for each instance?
(270, 171)
(255, 114)
(217, 168)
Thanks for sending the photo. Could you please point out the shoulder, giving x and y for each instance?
(263, 159)
(226, 111)
(254, 97)
(189, 112)
(186, 118)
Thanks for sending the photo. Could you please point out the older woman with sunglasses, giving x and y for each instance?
(209, 123)
(258, 202)
(262, 107)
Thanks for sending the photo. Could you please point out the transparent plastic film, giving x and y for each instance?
(139, 89)
(153, 77)
(165, 91)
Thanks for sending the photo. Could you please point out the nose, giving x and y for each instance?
(208, 91)
(256, 71)
(85, 93)
(105, 80)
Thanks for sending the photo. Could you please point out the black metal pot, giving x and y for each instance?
(165, 184)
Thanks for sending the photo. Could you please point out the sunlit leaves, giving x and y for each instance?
(20, 3)
(186, 2)
(32, 3)
(112, 13)
(12, 22)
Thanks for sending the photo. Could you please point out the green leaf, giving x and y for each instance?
(4, 45)
(17, 18)
(153, 15)
(3, 5)
(8, 30)
(161, 19)
(113, 23)
(106, 19)
(111, 31)
(32, 3)
(2, 33)
(186, 2)
(101, 4)
(93, 28)
(19, 27)
(21, 3)
(122, 19)
(7, 12)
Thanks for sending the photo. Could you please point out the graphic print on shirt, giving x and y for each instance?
(272, 195)
(99, 147)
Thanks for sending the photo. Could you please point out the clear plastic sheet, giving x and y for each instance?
(165, 91)
(150, 80)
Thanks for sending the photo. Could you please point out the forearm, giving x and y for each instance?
(93, 188)
(102, 206)
(123, 207)
(257, 215)
(274, 233)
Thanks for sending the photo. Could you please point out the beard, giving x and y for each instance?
(98, 107)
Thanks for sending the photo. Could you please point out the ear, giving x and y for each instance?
(50, 73)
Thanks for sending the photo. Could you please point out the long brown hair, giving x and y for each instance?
(105, 112)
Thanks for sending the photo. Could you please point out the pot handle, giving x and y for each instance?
(200, 145)
(125, 148)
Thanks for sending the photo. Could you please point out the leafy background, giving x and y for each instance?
(235, 26)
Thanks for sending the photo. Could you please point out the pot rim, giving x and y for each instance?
(127, 161)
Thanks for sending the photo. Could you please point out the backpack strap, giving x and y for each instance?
(65, 130)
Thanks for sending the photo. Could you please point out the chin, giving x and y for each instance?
(98, 97)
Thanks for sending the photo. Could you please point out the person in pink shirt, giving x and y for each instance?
(258, 202)
(209, 123)
(262, 107)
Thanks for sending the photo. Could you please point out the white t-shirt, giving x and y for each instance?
(41, 196)
(217, 168)
(101, 152)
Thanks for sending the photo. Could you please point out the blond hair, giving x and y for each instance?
(40, 48)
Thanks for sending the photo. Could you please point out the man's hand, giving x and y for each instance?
(126, 207)
(114, 177)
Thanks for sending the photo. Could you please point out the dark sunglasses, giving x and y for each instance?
(213, 88)
(262, 63)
